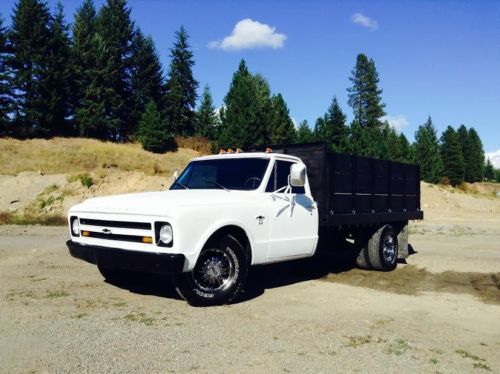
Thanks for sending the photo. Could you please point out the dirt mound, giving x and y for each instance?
(412, 280)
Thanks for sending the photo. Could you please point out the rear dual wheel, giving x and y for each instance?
(380, 251)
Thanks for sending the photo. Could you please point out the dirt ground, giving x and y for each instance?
(440, 312)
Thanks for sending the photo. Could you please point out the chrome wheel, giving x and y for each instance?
(389, 249)
(214, 270)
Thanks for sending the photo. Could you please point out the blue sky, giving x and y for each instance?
(438, 58)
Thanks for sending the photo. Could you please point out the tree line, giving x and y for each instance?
(101, 77)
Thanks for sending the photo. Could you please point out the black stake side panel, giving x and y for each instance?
(352, 190)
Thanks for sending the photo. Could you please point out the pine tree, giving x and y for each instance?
(451, 154)
(364, 95)
(321, 130)
(281, 129)
(474, 169)
(181, 87)
(30, 37)
(91, 113)
(395, 151)
(152, 133)
(262, 111)
(367, 141)
(59, 76)
(147, 75)
(335, 120)
(84, 54)
(6, 93)
(426, 152)
(304, 133)
(246, 114)
(489, 172)
(116, 31)
(207, 120)
(406, 151)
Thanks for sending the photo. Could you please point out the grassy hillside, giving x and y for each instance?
(41, 179)
(76, 155)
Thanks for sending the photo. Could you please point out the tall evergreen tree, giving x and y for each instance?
(152, 133)
(91, 113)
(245, 116)
(451, 154)
(207, 120)
(364, 95)
(474, 168)
(6, 93)
(394, 146)
(116, 31)
(368, 141)
(30, 37)
(304, 133)
(406, 151)
(84, 53)
(181, 86)
(147, 75)
(338, 132)
(281, 129)
(321, 130)
(426, 152)
(59, 76)
(489, 171)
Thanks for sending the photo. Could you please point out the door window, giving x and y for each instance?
(279, 177)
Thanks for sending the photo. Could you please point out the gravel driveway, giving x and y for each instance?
(59, 315)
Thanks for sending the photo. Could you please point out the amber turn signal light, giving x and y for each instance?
(85, 233)
(147, 239)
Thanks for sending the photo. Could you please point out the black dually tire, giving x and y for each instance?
(362, 259)
(383, 249)
(218, 276)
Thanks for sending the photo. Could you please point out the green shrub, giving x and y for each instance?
(86, 180)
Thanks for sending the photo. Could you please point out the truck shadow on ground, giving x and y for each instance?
(290, 272)
(260, 278)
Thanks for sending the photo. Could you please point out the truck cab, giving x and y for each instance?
(222, 214)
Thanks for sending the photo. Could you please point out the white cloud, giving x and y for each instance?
(494, 158)
(250, 34)
(365, 21)
(398, 123)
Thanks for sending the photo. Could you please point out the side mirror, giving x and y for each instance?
(298, 175)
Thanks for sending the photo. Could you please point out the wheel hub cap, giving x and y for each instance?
(389, 249)
(214, 271)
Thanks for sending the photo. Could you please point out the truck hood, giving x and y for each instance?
(160, 203)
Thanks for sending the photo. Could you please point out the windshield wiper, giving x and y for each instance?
(221, 186)
(181, 184)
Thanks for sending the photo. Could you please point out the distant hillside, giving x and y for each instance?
(76, 155)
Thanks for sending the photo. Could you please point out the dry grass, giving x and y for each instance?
(78, 155)
(8, 218)
(480, 189)
(197, 143)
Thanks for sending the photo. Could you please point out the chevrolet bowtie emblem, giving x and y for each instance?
(106, 231)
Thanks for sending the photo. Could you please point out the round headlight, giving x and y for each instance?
(75, 227)
(166, 234)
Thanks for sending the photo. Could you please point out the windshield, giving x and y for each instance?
(233, 174)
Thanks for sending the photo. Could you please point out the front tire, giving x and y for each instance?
(218, 276)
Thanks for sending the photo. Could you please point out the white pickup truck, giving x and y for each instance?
(227, 212)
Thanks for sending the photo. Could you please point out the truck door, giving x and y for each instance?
(293, 218)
